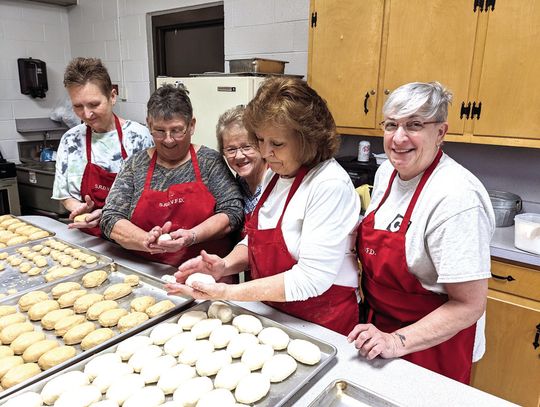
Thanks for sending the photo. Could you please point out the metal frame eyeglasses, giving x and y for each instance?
(174, 133)
(231, 152)
(410, 126)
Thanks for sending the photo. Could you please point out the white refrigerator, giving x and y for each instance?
(211, 96)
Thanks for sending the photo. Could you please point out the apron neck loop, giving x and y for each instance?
(153, 161)
(89, 140)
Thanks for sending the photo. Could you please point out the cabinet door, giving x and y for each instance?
(511, 366)
(510, 81)
(345, 48)
(432, 41)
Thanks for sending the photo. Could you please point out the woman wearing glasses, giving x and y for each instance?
(300, 237)
(424, 243)
(243, 158)
(90, 154)
(171, 201)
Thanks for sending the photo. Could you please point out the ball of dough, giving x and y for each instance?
(129, 346)
(68, 299)
(52, 317)
(114, 370)
(174, 376)
(11, 319)
(239, 343)
(255, 356)
(28, 399)
(34, 271)
(11, 332)
(200, 278)
(106, 403)
(57, 385)
(80, 218)
(131, 320)
(111, 317)
(221, 311)
(252, 388)
(39, 310)
(96, 337)
(36, 350)
(190, 318)
(56, 356)
(117, 291)
(222, 335)
(204, 328)
(94, 278)
(31, 298)
(79, 396)
(99, 307)
(229, 375)
(143, 356)
(19, 374)
(81, 304)
(76, 334)
(124, 387)
(24, 340)
(279, 367)
(163, 332)
(210, 363)
(277, 338)
(8, 363)
(151, 371)
(304, 351)
(58, 273)
(100, 364)
(159, 308)
(178, 342)
(194, 350)
(165, 237)
(132, 280)
(7, 310)
(140, 304)
(150, 396)
(6, 351)
(217, 397)
(189, 392)
(65, 324)
(247, 323)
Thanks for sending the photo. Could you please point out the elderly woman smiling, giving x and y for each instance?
(424, 243)
(177, 189)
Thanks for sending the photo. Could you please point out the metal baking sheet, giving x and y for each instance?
(343, 393)
(148, 285)
(12, 279)
(27, 223)
(279, 393)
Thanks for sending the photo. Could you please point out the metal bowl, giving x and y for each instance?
(506, 206)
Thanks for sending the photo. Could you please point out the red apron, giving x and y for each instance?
(396, 298)
(336, 308)
(96, 182)
(186, 205)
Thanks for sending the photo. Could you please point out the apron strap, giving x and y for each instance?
(89, 140)
(195, 163)
(419, 188)
(296, 184)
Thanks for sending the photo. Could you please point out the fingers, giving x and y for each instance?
(355, 332)
(89, 202)
(191, 264)
(166, 227)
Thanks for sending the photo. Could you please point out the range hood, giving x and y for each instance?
(64, 3)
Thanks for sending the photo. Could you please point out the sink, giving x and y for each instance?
(48, 166)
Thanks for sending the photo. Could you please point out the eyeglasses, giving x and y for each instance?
(231, 152)
(174, 133)
(411, 126)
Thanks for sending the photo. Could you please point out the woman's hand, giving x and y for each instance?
(372, 342)
(93, 216)
(204, 263)
(179, 239)
(199, 291)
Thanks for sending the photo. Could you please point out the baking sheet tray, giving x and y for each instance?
(343, 393)
(12, 279)
(279, 393)
(148, 285)
(27, 223)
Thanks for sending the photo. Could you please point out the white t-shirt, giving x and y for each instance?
(450, 228)
(71, 156)
(319, 228)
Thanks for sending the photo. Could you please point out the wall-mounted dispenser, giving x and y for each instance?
(33, 77)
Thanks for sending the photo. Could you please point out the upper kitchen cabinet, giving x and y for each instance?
(509, 86)
(345, 47)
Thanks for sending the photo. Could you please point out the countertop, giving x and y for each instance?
(398, 380)
(502, 246)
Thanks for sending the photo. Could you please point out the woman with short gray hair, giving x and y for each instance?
(424, 243)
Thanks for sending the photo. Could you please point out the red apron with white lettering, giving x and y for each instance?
(97, 182)
(186, 205)
(336, 308)
(396, 298)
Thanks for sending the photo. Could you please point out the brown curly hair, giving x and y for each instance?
(290, 103)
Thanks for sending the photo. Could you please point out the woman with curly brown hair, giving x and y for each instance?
(300, 238)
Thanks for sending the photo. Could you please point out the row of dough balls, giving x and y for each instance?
(14, 231)
(144, 370)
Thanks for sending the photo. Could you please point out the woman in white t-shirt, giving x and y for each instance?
(424, 243)
(300, 238)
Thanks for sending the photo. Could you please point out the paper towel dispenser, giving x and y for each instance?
(33, 77)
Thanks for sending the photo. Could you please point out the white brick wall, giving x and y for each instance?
(29, 30)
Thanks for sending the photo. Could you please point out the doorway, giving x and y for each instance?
(189, 42)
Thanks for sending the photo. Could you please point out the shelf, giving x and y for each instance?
(39, 125)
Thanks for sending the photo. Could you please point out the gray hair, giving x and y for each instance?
(428, 100)
(168, 102)
(229, 118)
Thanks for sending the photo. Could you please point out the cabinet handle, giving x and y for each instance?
(507, 278)
(537, 337)
(387, 91)
(368, 94)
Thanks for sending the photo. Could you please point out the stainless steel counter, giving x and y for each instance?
(398, 380)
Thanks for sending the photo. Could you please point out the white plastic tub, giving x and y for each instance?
(527, 232)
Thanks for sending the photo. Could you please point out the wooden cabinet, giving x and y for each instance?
(360, 51)
(510, 367)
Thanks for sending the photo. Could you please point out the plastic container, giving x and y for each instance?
(258, 65)
(380, 158)
(527, 232)
(506, 206)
